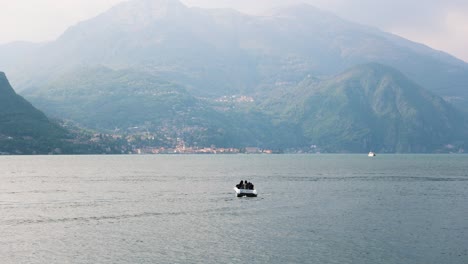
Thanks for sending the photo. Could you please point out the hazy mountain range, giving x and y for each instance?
(294, 77)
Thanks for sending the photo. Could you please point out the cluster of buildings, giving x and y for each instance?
(141, 145)
(235, 99)
(205, 150)
(189, 150)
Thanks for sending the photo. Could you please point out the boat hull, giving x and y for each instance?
(245, 192)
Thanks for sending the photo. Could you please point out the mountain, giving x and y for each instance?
(373, 107)
(128, 101)
(102, 98)
(368, 107)
(23, 128)
(295, 77)
(216, 52)
(26, 130)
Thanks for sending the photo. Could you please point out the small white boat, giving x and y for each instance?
(245, 192)
(371, 154)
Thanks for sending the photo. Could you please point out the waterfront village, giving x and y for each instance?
(205, 150)
(160, 140)
(134, 144)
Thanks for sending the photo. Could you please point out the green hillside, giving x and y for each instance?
(375, 107)
(369, 107)
(23, 128)
(129, 102)
(26, 130)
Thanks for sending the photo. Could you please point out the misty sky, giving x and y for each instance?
(440, 24)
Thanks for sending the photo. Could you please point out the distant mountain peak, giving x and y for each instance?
(301, 10)
(148, 9)
(156, 3)
(129, 16)
(298, 7)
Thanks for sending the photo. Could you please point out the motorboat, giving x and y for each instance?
(245, 192)
(371, 154)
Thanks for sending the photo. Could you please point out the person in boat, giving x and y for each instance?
(245, 185)
(240, 185)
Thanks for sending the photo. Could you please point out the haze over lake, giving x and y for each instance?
(182, 209)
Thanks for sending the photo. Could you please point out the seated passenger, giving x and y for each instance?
(240, 185)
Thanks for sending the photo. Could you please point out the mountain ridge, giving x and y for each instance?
(376, 107)
(250, 52)
(224, 78)
(370, 106)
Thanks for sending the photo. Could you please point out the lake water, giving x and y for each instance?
(182, 209)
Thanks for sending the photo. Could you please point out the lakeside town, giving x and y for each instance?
(137, 144)
(150, 144)
(205, 150)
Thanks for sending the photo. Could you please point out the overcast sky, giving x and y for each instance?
(440, 24)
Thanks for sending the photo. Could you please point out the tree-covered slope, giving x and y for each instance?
(102, 98)
(375, 107)
(128, 101)
(23, 128)
(369, 107)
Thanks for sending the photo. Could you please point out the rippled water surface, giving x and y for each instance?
(182, 209)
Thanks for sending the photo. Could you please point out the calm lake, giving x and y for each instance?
(182, 209)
